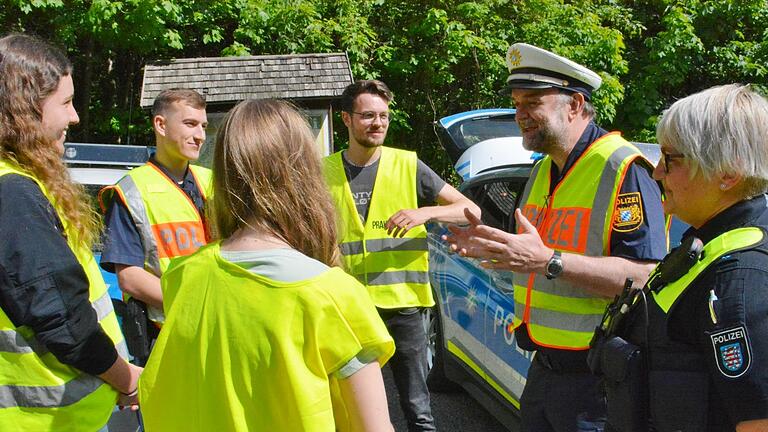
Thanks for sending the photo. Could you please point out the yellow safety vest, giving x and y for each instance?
(576, 218)
(726, 243)
(166, 218)
(39, 393)
(395, 270)
(242, 352)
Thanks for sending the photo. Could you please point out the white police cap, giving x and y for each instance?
(533, 67)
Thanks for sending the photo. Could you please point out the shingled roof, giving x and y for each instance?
(232, 79)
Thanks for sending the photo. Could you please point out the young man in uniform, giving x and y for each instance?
(590, 217)
(384, 196)
(155, 212)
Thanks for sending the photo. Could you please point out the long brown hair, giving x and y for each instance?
(267, 175)
(31, 70)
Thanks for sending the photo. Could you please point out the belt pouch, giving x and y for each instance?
(625, 387)
(136, 329)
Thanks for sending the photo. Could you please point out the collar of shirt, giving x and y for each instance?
(188, 184)
(187, 174)
(742, 214)
(591, 133)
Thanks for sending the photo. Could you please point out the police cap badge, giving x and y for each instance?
(533, 67)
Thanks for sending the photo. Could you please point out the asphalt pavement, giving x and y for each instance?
(453, 412)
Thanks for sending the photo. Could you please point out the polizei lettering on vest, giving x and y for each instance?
(178, 239)
(564, 228)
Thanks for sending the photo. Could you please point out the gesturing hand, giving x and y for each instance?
(524, 252)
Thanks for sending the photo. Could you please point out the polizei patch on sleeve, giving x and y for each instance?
(732, 351)
(628, 215)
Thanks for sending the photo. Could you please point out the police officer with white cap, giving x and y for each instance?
(590, 217)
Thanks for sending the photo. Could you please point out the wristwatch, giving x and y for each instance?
(554, 266)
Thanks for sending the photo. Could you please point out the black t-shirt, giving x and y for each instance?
(361, 182)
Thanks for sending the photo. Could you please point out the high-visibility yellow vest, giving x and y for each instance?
(395, 270)
(576, 218)
(167, 220)
(39, 393)
(243, 352)
(726, 243)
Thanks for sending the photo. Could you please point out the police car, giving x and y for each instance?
(97, 165)
(471, 339)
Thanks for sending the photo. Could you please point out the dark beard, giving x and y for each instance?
(544, 140)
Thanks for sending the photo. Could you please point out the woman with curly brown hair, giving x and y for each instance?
(262, 331)
(59, 367)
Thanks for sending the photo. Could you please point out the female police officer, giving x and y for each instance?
(705, 334)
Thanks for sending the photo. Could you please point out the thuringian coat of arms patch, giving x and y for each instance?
(732, 351)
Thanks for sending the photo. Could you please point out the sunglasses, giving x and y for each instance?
(668, 157)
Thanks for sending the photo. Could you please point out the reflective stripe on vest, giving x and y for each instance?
(55, 396)
(724, 244)
(395, 270)
(49, 396)
(166, 218)
(12, 341)
(575, 218)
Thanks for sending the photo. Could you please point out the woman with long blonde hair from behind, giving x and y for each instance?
(262, 331)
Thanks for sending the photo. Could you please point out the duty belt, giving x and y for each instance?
(562, 360)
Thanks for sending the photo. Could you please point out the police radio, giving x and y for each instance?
(676, 264)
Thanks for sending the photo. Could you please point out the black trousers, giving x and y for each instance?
(561, 396)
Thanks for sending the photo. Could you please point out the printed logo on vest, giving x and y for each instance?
(378, 224)
(628, 215)
(732, 351)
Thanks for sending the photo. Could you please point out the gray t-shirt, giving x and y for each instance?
(361, 180)
(290, 265)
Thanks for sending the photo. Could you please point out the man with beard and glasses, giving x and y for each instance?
(384, 196)
(590, 217)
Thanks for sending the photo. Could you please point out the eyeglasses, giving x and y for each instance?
(668, 157)
(370, 116)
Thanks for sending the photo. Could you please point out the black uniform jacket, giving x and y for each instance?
(694, 372)
(42, 285)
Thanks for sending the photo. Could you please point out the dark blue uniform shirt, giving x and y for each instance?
(646, 243)
(122, 242)
(740, 283)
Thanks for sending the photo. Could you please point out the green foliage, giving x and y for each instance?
(439, 57)
(687, 47)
